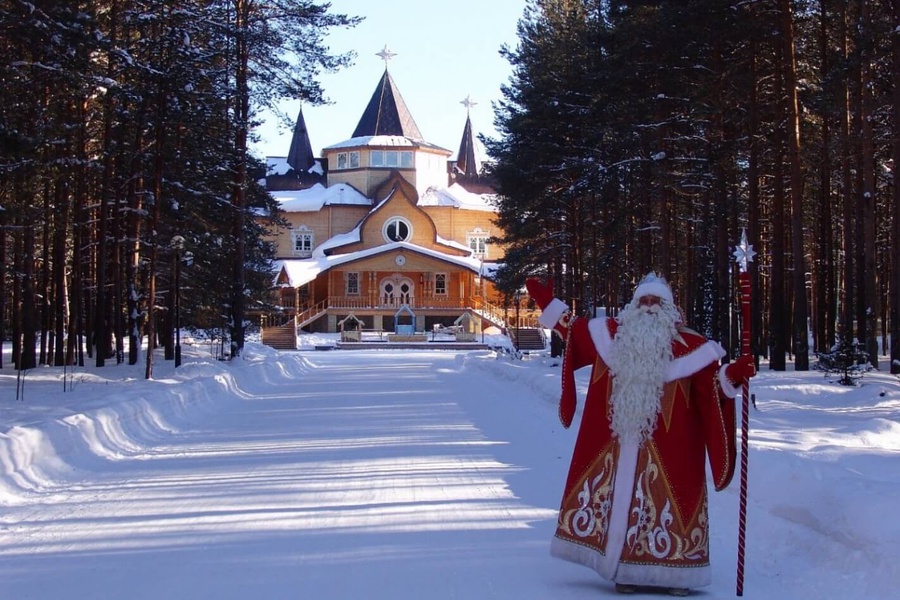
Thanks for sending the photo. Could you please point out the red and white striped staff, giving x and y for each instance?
(744, 255)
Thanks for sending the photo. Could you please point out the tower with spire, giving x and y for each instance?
(392, 220)
(466, 170)
(300, 169)
(386, 139)
(386, 113)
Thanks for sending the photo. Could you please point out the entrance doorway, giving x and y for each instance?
(396, 290)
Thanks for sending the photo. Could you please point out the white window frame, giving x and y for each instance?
(352, 284)
(389, 222)
(477, 241)
(441, 281)
(391, 159)
(302, 241)
(347, 160)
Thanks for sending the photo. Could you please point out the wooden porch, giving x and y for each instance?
(429, 314)
(490, 314)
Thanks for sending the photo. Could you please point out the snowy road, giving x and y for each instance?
(397, 475)
(355, 478)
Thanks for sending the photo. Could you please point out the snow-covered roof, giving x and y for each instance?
(458, 197)
(353, 236)
(314, 198)
(303, 270)
(384, 141)
(278, 165)
(453, 244)
(336, 241)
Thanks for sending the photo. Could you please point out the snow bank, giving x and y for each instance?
(43, 454)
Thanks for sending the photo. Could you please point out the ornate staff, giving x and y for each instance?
(744, 255)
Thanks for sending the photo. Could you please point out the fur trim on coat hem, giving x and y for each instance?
(664, 577)
(649, 575)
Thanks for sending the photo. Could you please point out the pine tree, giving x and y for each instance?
(848, 360)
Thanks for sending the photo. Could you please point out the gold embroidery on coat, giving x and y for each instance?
(585, 514)
(656, 533)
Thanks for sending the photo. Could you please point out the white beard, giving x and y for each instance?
(641, 353)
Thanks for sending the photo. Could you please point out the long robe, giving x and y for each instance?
(635, 512)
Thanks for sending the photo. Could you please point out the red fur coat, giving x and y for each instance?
(637, 513)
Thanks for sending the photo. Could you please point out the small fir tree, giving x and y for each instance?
(846, 359)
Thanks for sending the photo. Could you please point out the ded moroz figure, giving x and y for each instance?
(634, 507)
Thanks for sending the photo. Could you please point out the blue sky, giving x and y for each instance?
(445, 51)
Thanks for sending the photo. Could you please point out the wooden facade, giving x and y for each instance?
(377, 235)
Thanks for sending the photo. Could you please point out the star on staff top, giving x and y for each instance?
(468, 103)
(386, 54)
(744, 253)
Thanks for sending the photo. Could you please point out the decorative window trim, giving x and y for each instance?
(388, 225)
(352, 283)
(477, 241)
(302, 241)
(441, 284)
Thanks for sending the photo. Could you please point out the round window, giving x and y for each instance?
(397, 229)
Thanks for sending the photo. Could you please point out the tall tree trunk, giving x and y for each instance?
(867, 155)
(60, 190)
(154, 228)
(777, 311)
(753, 201)
(848, 206)
(103, 310)
(856, 127)
(118, 270)
(75, 345)
(132, 240)
(59, 246)
(238, 201)
(29, 338)
(895, 229)
(801, 311)
(823, 271)
(15, 317)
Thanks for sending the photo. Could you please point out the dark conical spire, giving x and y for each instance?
(386, 113)
(467, 162)
(300, 156)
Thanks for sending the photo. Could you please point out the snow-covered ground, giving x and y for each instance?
(397, 474)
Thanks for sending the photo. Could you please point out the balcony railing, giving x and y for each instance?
(386, 303)
(500, 316)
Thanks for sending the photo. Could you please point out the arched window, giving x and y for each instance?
(301, 241)
(477, 242)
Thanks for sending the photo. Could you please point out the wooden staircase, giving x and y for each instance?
(283, 337)
(311, 314)
(494, 315)
(527, 338)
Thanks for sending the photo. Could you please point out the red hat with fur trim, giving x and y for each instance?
(653, 285)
